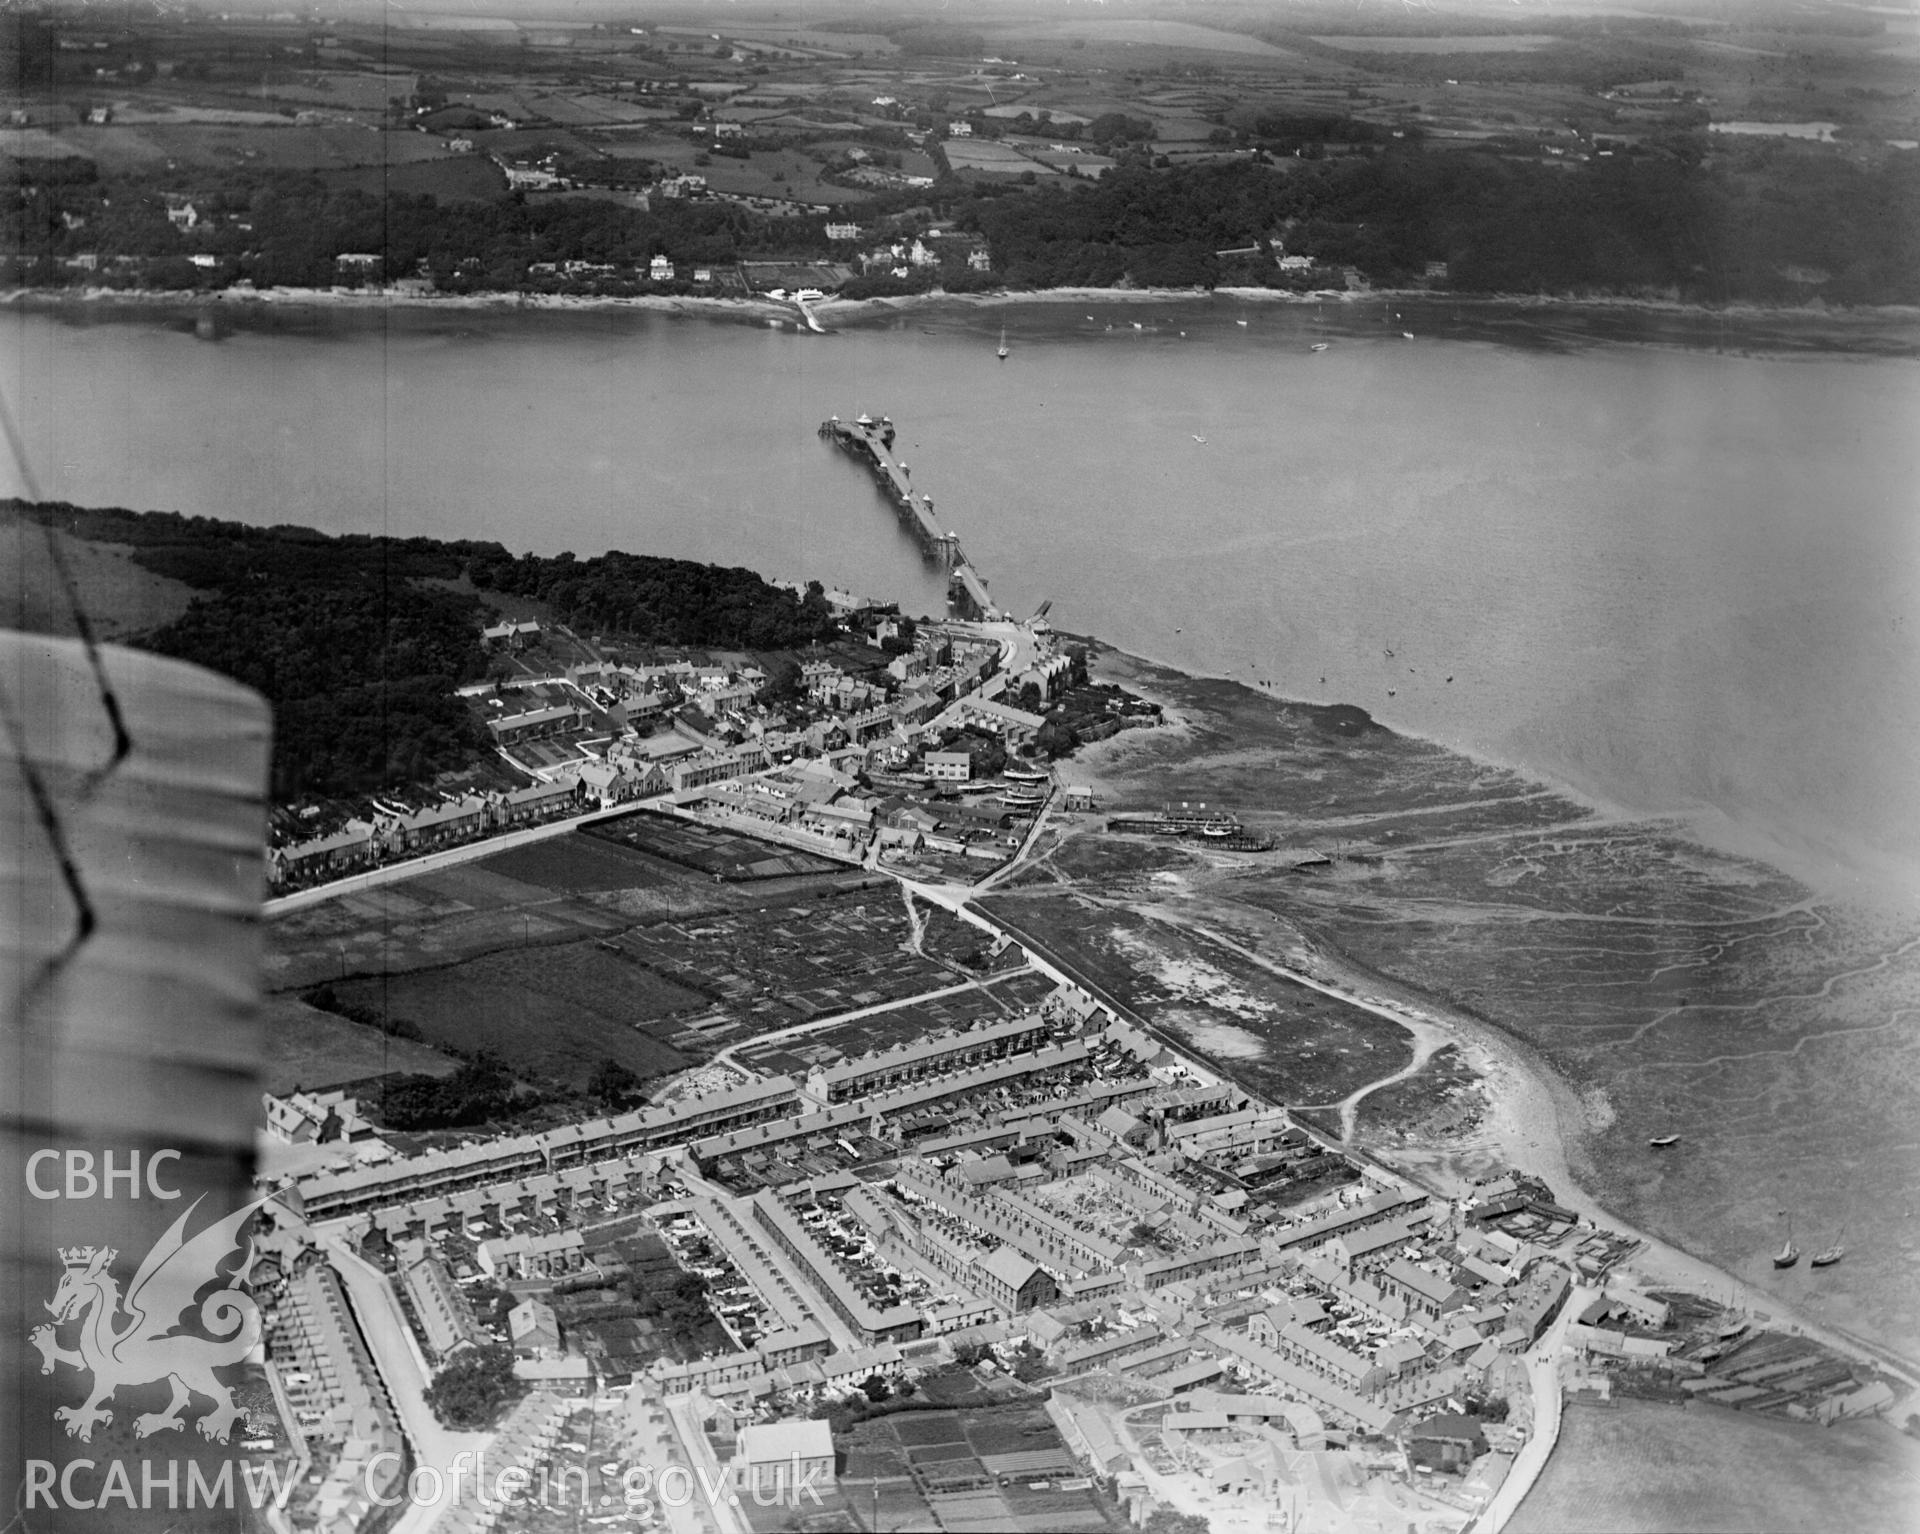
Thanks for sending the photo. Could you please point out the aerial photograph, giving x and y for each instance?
(954, 766)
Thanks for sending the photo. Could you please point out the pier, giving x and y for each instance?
(870, 442)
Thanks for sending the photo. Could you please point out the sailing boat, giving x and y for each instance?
(1831, 1255)
(1789, 1254)
(1002, 353)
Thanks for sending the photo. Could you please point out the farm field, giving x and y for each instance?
(1144, 34)
(1517, 42)
(535, 952)
(310, 1049)
(720, 854)
(546, 1011)
(983, 154)
(787, 963)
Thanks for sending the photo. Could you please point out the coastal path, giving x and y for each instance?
(1543, 1372)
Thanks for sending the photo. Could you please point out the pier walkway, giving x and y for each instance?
(871, 442)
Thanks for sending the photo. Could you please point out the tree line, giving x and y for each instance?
(1745, 231)
(662, 601)
(1763, 223)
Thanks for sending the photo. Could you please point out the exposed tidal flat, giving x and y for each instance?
(1647, 984)
(1641, 1467)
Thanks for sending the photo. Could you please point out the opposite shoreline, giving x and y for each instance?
(1829, 330)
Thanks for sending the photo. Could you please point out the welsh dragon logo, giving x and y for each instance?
(147, 1347)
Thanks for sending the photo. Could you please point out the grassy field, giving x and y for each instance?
(121, 598)
(1286, 1042)
(309, 1048)
(1515, 43)
(551, 1012)
(452, 178)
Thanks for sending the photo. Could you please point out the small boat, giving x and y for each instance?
(1241, 323)
(1319, 346)
(1406, 335)
(1002, 353)
(1198, 438)
(1827, 1258)
(1789, 1254)
(1658, 1142)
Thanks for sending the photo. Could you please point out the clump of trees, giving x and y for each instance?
(661, 601)
(481, 1089)
(474, 1388)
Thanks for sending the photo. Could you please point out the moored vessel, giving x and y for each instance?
(1789, 1254)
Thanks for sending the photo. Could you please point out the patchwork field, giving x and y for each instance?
(578, 948)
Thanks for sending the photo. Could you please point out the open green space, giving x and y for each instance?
(310, 1049)
(549, 1012)
(1284, 1041)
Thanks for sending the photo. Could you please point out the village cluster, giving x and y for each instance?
(860, 775)
(1204, 1306)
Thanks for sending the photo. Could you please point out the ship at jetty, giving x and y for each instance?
(1217, 828)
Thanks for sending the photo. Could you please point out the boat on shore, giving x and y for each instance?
(1789, 1254)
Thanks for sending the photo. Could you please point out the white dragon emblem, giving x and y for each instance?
(147, 1348)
